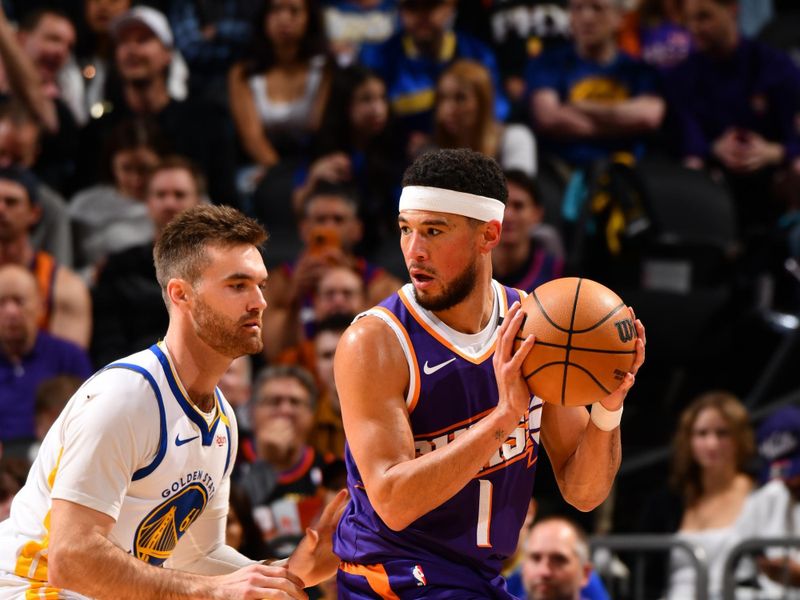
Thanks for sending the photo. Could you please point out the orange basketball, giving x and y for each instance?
(585, 341)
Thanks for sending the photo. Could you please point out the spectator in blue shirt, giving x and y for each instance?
(28, 355)
(592, 100)
(411, 61)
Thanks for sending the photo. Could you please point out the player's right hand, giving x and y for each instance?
(259, 581)
(513, 390)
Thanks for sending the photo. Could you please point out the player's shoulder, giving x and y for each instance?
(371, 332)
(137, 371)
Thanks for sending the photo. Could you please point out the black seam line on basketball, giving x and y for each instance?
(614, 311)
(592, 377)
(569, 343)
(545, 315)
(585, 349)
(540, 367)
(566, 365)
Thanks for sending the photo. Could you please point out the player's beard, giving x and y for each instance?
(452, 293)
(223, 334)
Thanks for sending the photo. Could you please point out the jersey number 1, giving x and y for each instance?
(484, 513)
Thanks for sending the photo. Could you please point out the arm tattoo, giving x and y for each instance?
(500, 435)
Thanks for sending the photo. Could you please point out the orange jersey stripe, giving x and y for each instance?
(415, 392)
(376, 577)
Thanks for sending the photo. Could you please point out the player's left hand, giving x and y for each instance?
(313, 560)
(616, 398)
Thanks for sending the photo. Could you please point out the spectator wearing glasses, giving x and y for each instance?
(284, 483)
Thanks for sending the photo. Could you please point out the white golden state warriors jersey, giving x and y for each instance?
(131, 445)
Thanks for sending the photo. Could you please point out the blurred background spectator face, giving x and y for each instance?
(172, 190)
(19, 137)
(141, 56)
(426, 20)
(48, 42)
(340, 291)
(556, 564)
(20, 309)
(521, 214)
(286, 22)
(458, 104)
(17, 213)
(335, 213)
(236, 383)
(464, 111)
(285, 404)
(369, 108)
(713, 24)
(713, 446)
(594, 22)
(100, 14)
(131, 168)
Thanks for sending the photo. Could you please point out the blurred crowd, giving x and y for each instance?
(653, 145)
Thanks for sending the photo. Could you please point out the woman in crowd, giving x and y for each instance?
(464, 118)
(112, 216)
(712, 450)
(356, 146)
(278, 92)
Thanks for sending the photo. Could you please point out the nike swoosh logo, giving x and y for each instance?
(431, 370)
(180, 442)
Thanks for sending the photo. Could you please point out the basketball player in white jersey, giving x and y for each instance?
(134, 475)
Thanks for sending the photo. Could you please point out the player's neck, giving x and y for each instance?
(472, 314)
(198, 366)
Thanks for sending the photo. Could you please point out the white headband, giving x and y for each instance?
(482, 208)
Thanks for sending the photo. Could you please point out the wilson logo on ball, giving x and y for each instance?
(625, 330)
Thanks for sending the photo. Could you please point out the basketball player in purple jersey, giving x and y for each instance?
(442, 431)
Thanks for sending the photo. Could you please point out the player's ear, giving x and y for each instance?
(491, 235)
(179, 291)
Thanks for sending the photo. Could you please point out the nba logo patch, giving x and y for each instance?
(419, 576)
(221, 440)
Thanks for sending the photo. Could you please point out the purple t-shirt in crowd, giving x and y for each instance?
(49, 357)
(755, 88)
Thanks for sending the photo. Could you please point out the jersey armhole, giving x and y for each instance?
(162, 443)
(412, 395)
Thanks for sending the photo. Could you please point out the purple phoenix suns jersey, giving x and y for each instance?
(450, 389)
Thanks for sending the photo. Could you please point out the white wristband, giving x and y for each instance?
(605, 419)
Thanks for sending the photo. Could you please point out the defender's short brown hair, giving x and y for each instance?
(180, 252)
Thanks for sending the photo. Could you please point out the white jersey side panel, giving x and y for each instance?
(131, 445)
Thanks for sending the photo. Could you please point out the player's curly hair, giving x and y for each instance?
(461, 170)
(180, 252)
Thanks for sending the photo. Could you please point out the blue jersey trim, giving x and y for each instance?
(227, 427)
(206, 430)
(162, 443)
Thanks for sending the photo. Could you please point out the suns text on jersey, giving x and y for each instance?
(519, 444)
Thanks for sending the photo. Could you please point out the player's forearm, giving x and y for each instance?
(220, 561)
(95, 567)
(410, 489)
(589, 473)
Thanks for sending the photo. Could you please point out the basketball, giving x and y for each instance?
(585, 341)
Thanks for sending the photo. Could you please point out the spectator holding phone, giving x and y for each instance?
(330, 230)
